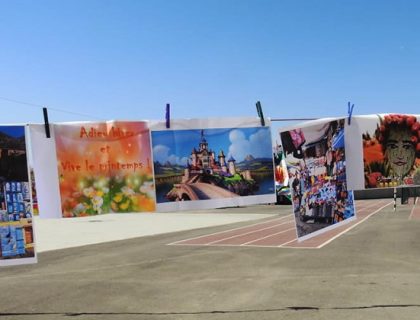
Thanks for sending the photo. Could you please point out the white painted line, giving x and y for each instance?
(368, 207)
(246, 233)
(412, 210)
(234, 229)
(271, 235)
(356, 224)
(286, 243)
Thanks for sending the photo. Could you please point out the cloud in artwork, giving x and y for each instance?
(261, 143)
(258, 145)
(161, 154)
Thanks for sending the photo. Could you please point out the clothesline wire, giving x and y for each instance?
(293, 119)
(49, 108)
(96, 118)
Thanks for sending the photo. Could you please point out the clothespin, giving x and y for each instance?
(168, 116)
(260, 113)
(46, 123)
(350, 112)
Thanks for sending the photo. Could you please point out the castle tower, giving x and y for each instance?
(232, 167)
(186, 176)
(194, 157)
(203, 142)
(247, 175)
(222, 158)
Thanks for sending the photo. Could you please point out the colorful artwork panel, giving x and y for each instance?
(104, 167)
(217, 165)
(316, 166)
(17, 245)
(391, 150)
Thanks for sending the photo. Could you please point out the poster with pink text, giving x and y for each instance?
(104, 167)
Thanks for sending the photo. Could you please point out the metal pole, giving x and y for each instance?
(395, 199)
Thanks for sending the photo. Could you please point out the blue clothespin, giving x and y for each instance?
(46, 123)
(350, 112)
(260, 113)
(168, 116)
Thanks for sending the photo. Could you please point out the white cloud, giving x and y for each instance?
(239, 147)
(261, 144)
(161, 154)
(258, 145)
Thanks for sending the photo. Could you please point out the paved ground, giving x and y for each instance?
(369, 272)
(280, 231)
(53, 234)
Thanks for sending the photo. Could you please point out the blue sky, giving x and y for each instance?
(124, 60)
(176, 146)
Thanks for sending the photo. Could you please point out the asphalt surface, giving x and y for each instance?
(371, 272)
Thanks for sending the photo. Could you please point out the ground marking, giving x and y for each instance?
(271, 235)
(356, 224)
(234, 229)
(246, 233)
(412, 210)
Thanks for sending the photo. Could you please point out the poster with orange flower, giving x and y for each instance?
(104, 167)
(391, 150)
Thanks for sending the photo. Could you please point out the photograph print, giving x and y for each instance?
(316, 163)
(17, 245)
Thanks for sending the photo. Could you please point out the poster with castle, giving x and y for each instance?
(202, 164)
(17, 244)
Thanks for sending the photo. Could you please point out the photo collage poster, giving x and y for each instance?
(212, 163)
(17, 244)
(391, 150)
(281, 176)
(104, 167)
(316, 163)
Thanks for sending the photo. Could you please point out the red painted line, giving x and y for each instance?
(324, 238)
(274, 240)
(231, 232)
(274, 233)
(242, 238)
(356, 223)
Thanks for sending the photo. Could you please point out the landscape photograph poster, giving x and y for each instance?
(104, 167)
(199, 164)
(17, 245)
(316, 163)
(391, 150)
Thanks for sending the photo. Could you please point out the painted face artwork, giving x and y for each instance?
(400, 152)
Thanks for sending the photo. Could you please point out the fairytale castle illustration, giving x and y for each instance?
(204, 160)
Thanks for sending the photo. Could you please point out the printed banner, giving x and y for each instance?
(210, 164)
(282, 179)
(17, 245)
(44, 162)
(391, 150)
(104, 167)
(316, 163)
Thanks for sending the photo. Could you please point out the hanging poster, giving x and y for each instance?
(44, 162)
(17, 245)
(281, 177)
(316, 163)
(391, 150)
(212, 163)
(104, 167)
